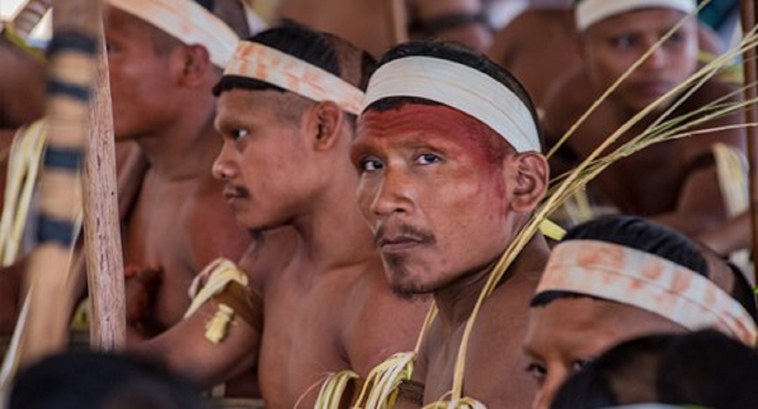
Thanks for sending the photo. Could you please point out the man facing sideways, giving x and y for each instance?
(320, 300)
(448, 152)
(164, 58)
(619, 277)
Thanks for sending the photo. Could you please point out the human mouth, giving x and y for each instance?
(402, 239)
(234, 193)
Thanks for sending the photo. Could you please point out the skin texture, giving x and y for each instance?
(569, 332)
(667, 186)
(364, 23)
(170, 242)
(326, 302)
(432, 168)
(22, 86)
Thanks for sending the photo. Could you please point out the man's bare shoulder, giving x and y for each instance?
(379, 321)
(497, 363)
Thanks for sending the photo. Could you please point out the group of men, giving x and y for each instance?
(361, 194)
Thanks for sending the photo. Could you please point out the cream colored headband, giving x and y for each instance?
(645, 281)
(263, 63)
(461, 87)
(188, 22)
(589, 12)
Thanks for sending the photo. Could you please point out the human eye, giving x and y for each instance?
(369, 165)
(537, 371)
(622, 42)
(238, 133)
(427, 159)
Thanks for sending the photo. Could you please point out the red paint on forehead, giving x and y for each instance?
(435, 121)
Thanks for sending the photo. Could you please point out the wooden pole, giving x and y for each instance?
(102, 234)
(397, 21)
(748, 12)
(48, 276)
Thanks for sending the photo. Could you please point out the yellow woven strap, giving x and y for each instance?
(333, 390)
(23, 167)
(463, 403)
(9, 32)
(551, 230)
(229, 286)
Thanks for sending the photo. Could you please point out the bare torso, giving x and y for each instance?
(495, 362)
(660, 180)
(320, 322)
(539, 47)
(176, 228)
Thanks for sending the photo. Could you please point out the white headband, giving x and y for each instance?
(188, 22)
(460, 87)
(646, 281)
(589, 12)
(262, 63)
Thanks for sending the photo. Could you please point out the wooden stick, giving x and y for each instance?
(397, 21)
(102, 236)
(748, 12)
(71, 69)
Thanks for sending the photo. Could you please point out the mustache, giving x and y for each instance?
(423, 236)
(239, 191)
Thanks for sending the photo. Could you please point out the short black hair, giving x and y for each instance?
(461, 55)
(637, 233)
(299, 41)
(96, 380)
(704, 368)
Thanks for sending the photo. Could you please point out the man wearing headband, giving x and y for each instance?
(675, 182)
(288, 103)
(164, 57)
(619, 277)
(449, 155)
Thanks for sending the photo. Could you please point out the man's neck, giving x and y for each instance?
(332, 230)
(185, 150)
(457, 300)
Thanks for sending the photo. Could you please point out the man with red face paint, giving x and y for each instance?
(675, 182)
(287, 106)
(450, 169)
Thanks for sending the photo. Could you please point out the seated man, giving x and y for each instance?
(451, 169)
(178, 222)
(675, 182)
(287, 107)
(619, 277)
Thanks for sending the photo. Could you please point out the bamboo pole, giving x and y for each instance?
(748, 12)
(397, 21)
(48, 276)
(102, 237)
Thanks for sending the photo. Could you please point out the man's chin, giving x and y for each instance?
(410, 290)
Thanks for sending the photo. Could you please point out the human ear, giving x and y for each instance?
(194, 65)
(324, 124)
(530, 182)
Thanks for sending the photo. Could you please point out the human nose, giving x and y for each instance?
(392, 194)
(656, 59)
(546, 393)
(224, 167)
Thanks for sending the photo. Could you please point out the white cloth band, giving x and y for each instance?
(589, 12)
(463, 88)
(267, 64)
(646, 281)
(186, 21)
